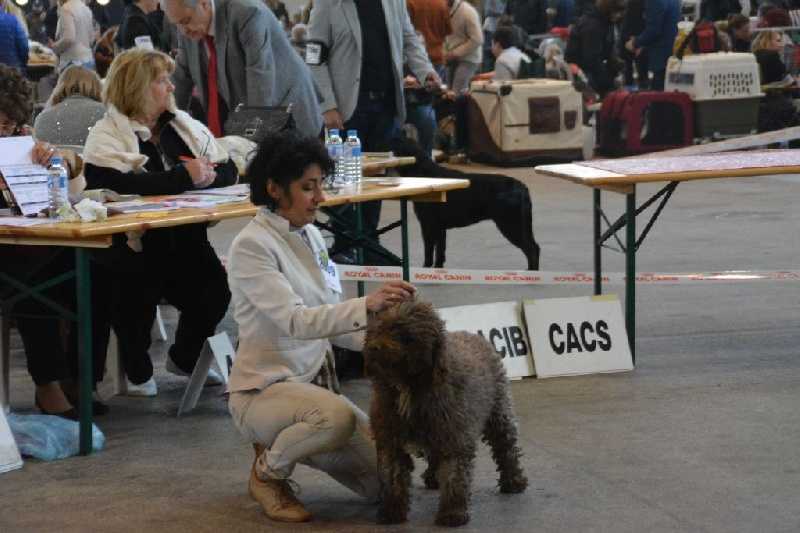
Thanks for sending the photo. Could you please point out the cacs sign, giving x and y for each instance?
(499, 323)
(578, 336)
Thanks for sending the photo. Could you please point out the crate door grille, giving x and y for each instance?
(545, 115)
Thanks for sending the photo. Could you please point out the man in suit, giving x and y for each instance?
(236, 52)
(362, 79)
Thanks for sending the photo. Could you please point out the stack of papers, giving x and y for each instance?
(204, 198)
(22, 222)
(26, 181)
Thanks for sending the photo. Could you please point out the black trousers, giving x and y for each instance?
(377, 125)
(188, 275)
(50, 342)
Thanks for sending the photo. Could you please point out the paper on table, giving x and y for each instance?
(26, 181)
(138, 206)
(22, 222)
(240, 189)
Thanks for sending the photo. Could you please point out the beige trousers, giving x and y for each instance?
(304, 423)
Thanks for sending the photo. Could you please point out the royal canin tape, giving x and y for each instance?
(531, 277)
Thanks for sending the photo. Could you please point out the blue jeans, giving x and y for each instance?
(422, 117)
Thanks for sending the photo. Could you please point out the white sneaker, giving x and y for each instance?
(212, 379)
(148, 388)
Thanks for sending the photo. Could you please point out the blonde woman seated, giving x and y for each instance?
(73, 108)
(145, 145)
(287, 303)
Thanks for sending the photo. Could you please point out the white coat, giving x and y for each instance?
(287, 314)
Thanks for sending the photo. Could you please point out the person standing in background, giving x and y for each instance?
(463, 45)
(592, 46)
(137, 23)
(530, 15)
(74, 35)
(431, 18)
(660, 28)
(13, 41)
(236, 52)
(492, 11)
(362, 81)
(632, 25)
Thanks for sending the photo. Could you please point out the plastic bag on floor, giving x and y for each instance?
(49, 437)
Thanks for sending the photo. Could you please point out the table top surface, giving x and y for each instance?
(97, 234)
(632, 171)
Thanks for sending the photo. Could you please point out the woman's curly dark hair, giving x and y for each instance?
(15, 95)
(283, 158)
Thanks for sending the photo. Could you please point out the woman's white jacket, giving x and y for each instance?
(287, 314)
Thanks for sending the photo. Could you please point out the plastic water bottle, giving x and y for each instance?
(353, 156)
(58, 194)
(335, 150)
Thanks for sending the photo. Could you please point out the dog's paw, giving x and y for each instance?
(513, 484)
(430, 480)
(452, 518)
(391, 516)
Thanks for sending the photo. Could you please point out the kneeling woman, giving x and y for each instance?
(284, 394)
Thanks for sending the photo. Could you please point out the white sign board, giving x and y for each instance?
(502, 325)
(9, 453)
(573, 336)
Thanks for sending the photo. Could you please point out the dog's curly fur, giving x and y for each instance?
(436, 393)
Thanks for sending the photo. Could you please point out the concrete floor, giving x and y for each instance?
(701, 437)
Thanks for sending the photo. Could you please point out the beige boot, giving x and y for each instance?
(276, 496)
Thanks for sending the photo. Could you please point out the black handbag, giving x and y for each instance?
(255, 123)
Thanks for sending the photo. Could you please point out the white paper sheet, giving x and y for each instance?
(16, 150)
(26, 181)
(240, 189)
(22, 222)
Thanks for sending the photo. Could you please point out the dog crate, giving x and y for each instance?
(641, 122)
(517, 122)
(725, 88)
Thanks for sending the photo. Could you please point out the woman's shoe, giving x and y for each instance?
(276, 496)
(146, 389)
(69, 414)
(70, 389)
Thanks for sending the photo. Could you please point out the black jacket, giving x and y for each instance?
(158, 181)
(136, 23)
(530, 15)
(591, 47)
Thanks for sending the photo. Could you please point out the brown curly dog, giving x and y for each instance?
(436, 393)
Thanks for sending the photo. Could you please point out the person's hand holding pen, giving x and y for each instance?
(201, 170)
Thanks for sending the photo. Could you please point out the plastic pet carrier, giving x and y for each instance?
(725, 88)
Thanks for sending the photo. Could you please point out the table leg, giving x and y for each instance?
(404, 238)
(84, 325)
(630, 270)
(359, 249)
(598, 248)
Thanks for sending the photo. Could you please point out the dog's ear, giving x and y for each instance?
(423, 327)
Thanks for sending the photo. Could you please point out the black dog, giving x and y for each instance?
(502, 199)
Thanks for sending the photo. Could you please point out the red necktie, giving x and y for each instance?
(213, 96)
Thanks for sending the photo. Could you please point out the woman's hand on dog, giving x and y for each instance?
(389, 294)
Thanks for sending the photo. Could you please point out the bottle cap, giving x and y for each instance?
(333, 131)
(56, 160)
(352, 133)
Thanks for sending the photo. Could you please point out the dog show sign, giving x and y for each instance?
(574, 336)
(499, 323)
